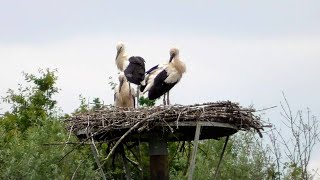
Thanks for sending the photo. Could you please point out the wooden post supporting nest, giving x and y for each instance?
(194, 151)
(158, 151)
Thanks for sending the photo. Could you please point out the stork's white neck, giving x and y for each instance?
(179, 65)
(121, 59)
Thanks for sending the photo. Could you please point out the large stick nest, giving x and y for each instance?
(110, 118)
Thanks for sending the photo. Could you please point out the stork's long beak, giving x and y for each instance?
(118, 52)
(120, 86)
(172, 56)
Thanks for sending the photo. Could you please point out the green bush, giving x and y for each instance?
(26, 130)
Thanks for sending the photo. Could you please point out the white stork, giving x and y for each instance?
(160, 79)
(134, 68)
(124, 95)
(135, 71)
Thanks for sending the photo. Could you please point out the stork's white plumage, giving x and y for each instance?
(124, 95)
(121, 58)
(160, 79)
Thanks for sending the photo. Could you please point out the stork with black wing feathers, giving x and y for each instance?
(161, 78)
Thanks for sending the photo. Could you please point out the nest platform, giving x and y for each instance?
(174, 123)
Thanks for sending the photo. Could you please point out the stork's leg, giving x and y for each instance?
(168, 100)
(138, 87)
(164, 99)
(131, 95)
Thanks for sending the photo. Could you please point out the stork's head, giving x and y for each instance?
(120, 48)
(122, 78)
(174, 52)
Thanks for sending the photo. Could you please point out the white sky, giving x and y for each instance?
(246, 52)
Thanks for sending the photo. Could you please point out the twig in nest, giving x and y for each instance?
(171, 129)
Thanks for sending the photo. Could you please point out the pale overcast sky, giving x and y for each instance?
(243, 51)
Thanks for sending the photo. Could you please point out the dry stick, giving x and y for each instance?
(171, 129)
(95, 151)
(177, 121)
(179, 117)
(81, 143)
(96, 157)
(135, 164)
(266, 108)
(125, 164)
(68, 137)
(224, 148)
(80, 163)
(74, 173)
(68, 143)
(194, 151)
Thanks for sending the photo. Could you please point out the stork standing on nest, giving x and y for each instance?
(124, 95)
(134, 68)
(151, 74)
(135, 71)
(160, 79)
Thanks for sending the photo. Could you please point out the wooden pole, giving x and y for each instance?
(194, 151)
(158, 151)
(221, 156)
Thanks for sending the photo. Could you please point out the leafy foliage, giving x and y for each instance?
(111, 83)
(31, 124)
(33, 104)
(144, 101)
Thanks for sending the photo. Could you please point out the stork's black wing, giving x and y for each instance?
(146, 80)
(159, 86)
(151, 69)
(137, 60)
(135, 71)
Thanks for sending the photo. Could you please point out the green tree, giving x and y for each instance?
(33, 104)
(26, 130)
